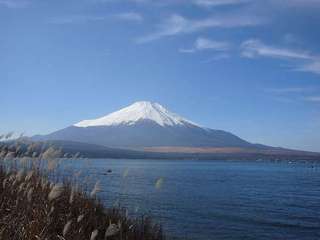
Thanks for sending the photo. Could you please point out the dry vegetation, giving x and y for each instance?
(33, 208)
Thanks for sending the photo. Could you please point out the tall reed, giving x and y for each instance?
(37, 202)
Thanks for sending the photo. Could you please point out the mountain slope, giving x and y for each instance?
(145, 124)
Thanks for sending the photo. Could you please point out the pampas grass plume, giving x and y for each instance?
(94, 234)
(56, 192)
(66, 228)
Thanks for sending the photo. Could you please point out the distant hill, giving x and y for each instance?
(70, 149)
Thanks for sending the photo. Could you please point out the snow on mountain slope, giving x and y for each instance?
(145, 124)
(136, 112)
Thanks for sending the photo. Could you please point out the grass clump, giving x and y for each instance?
(32, 207)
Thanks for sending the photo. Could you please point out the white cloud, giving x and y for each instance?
(216, 3)
(304, 60)
(177, 24)
(129, 16)
(254, 48)
(207, 44)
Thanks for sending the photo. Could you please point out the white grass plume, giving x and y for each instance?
(96, 189)
(112, 230)
(159, 183)
(94, 234)
(56, 192)
(80, 217)
(66, 228)
(29, 195)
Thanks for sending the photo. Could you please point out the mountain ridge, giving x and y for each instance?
(146, 126)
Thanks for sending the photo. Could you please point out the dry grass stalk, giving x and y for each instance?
(31, 208)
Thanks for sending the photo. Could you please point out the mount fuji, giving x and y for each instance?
(144, 125)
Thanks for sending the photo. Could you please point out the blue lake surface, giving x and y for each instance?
(214, 199)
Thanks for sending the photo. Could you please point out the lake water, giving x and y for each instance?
(215, 199)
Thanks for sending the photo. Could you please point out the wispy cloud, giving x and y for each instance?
(284, 99)
(313, 99)
(304, 60)
(290, 90)
(74, 19)
(202, 44)
(187, 50)
(205, 43)
(216, 3)
(313, 66)
(295, 94)
(218, 57)
(177, 24)
(254, 48)
(158, 3)
(295, 3)
(77, 19)
(14, 3)
(129, 16)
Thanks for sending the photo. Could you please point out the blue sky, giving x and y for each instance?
(247, 66)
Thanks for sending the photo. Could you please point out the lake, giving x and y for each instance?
(214, 199)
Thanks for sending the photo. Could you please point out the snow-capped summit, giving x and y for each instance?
(136, 112)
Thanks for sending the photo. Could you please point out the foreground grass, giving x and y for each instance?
(33, 208)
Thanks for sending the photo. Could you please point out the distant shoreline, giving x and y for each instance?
(70, 149)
